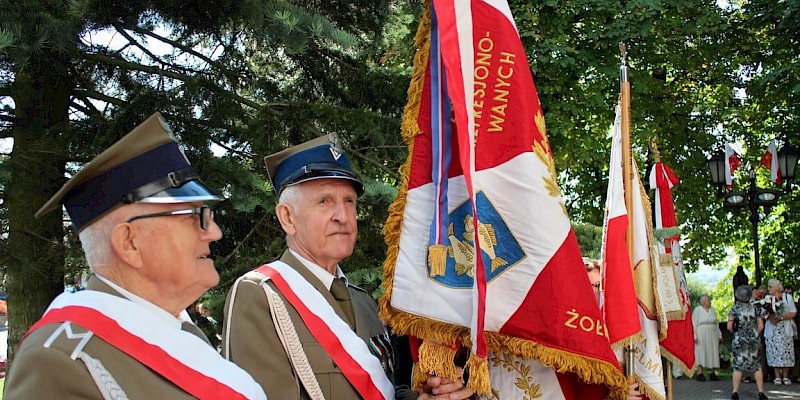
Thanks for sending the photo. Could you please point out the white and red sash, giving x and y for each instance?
(179, 356)
(361, 368)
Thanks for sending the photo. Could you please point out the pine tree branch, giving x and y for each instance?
(135, 42)
(87, 106)
(124, 64)
(232, 150)
(84, 93)
(241, 243)
(374, 163)
(230, 74)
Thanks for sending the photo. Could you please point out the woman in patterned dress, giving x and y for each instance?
(779, 334)
(746, 327)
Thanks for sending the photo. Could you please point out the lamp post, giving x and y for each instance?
(755, 196)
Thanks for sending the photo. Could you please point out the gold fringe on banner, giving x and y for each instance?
(418, 378)
(647, 390)
(478, 374)
(434, 356)
(437, 359)
(588, 369)
(659, 309)
(628, 341)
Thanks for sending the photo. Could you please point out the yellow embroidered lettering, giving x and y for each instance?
(572, 317)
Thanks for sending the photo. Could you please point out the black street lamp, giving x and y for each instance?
(787, 162)
(755, 196)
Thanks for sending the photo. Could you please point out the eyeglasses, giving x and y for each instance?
(206, 215)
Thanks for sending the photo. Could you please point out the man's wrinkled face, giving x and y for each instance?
(175, 250)
(324, 228)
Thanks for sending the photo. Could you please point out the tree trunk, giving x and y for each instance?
(35, 252)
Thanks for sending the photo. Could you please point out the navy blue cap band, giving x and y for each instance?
(314, 163)
(131, 181)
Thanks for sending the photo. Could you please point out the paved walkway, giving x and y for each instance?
(690, 389)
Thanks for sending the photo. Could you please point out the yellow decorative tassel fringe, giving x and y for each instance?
(437, 359)
(478, 374)
(437, 258)
(418, 379)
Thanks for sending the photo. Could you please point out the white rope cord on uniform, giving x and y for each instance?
(291, 343)
(105, 382)
(228, 317)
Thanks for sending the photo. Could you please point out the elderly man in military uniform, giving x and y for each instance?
(296, 324)
(140, 212)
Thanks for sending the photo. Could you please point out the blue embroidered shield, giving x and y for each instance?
(499, 248)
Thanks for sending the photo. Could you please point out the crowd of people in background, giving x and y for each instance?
(768, 312)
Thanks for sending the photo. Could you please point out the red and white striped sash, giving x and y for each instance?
(362, 369)
(179, 356)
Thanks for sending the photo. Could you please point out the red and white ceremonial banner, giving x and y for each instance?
(732, 163)
(500, 246)
(678, 346)
(647, 358)
(617, 294)
(770, 160)
(647, 354)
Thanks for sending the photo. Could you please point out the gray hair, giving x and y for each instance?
(743, 293)
(704, 296)
(96, 239)
(291, 195)
(775, 283)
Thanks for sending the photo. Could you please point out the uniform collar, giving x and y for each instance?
(321, 273)
(156, 310)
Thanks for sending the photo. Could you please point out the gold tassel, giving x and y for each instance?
(418, 379)
(437, 359)
(437, 259)
(478, 374)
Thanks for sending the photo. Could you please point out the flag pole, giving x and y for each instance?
(627, 175)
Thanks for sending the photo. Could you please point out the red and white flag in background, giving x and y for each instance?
(678, 346)
(499, 245)
(732, 163)
(618, 300)
(647, 367)
(770, 160)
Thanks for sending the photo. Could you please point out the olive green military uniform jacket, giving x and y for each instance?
(44, 369)
(250, 340)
